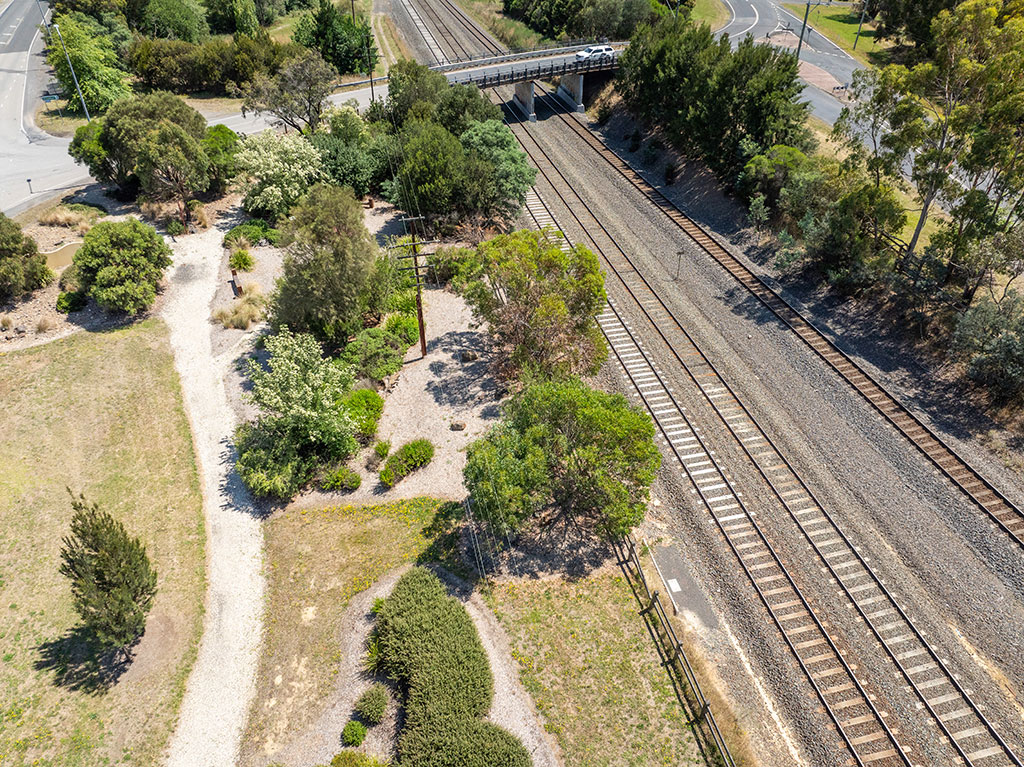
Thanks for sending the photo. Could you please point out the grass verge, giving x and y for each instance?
(101, 413)
(318, 559)
(839, 24)
(588, 661)
(512, 32)
(714, 13)
(55, 119)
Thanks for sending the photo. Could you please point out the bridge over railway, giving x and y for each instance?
(522, 70)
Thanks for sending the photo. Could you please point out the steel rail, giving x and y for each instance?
(1006, 515)
(807, 639)
(935, 685)
(856, 718)
(476, 32)
(430, 16)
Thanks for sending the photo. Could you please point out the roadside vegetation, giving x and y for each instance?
(102, 414)
(220, 47)
(952, 118)
(839, 24)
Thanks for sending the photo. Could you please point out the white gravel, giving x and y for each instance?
(222, 682)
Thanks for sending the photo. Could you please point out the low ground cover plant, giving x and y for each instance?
(428, 645)
(407, 459)
(375, 353)
(254, 232)
(372, 704)
(365, 407)
(353, 734)
(342, 478)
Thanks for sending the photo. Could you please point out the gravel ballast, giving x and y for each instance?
(924, 540)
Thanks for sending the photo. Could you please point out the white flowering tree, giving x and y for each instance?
(277, 169)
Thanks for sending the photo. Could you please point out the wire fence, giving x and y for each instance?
(673, 658)
(484, 548)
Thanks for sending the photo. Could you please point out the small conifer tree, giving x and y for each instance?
(112, 581)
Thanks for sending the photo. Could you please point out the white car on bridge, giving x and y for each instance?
(595, 52)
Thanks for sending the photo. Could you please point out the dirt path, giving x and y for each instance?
(222, 682)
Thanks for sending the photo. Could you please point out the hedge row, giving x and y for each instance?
(404, 461)
(429, 646)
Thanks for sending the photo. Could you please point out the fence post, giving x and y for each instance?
(651, 604)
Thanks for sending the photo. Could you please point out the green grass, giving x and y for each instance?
(840, 26)
(591, 667)
(99, 413)
(714, 13)
(317, 560)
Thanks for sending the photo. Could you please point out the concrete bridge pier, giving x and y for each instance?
(570, 91)
(523, 99)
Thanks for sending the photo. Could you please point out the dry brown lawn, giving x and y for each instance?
(591, 667)
(100, 413)
(317, 560)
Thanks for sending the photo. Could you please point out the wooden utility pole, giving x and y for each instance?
(415, 247)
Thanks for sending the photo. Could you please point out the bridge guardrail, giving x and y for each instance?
(466, 63)
(537, 72)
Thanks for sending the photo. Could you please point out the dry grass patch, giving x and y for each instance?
(245, 311)
(101, 413)
(317, 560)
(591, 667)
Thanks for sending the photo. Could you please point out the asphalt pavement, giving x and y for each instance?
(28, 153)
(767, 20)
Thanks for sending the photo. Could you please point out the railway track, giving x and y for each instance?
(970, 737)
(441, 38)
(852, 709)
(1000, 510)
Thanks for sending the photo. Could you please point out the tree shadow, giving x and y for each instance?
(78, 663)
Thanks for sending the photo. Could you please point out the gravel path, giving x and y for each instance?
(221, 685)
(512, 708)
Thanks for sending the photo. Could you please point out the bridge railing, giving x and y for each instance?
(539, 71)
(545, 50)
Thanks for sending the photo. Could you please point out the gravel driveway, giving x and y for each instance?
(221, 685)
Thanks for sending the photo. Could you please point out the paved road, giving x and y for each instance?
(767, 19)
(26, 152)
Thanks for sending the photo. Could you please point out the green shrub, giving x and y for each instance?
(342, 478)
(254, 231)
(175, 227)
(120, 263)
(990, 337)
(364, 408)
(270, 464)
(449, 263)
(374, 353)
(71, 302)
(354, 759)
(22, 267)
(372, 704)
(382, 448)
(354, 733)
(405, 327)
(407, 459)
(242, 260)
(429, 646)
